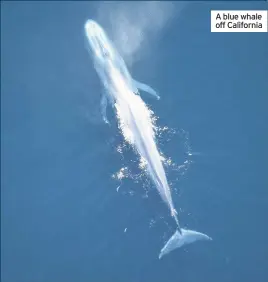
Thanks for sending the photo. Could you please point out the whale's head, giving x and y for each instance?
(99, 43)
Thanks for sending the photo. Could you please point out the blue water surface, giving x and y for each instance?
(61, 217)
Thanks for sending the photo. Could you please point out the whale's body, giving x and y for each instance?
(134, 119)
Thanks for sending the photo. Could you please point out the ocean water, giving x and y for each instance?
(62, 218)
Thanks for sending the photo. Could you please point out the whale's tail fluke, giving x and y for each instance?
(179, 239)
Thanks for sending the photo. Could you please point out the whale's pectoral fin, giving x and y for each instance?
(146, 88)
(104, 108)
